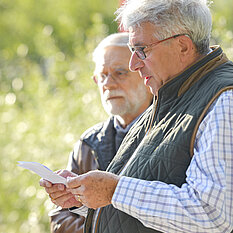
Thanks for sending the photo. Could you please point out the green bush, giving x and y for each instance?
(46, 94)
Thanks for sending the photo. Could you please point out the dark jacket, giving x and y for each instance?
(94, 150)
(166, 150)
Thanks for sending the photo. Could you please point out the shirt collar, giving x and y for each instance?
(119, 128)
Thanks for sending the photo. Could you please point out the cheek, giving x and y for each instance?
(161, 69)
(133, 92)
(151, 65)
(126, 85)
(159, 61)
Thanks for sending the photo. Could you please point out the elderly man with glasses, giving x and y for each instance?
(178, 176)
(124, 98)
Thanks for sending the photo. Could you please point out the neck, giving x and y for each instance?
(195, 58)
(123, 121)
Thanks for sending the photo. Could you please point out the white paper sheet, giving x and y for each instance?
(43, 172)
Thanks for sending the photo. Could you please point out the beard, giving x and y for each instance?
(116, 106)
(124, 103)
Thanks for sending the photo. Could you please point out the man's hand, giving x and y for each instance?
(58, 193)
(94, 189)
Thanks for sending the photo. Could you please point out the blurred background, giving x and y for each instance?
(47, 96)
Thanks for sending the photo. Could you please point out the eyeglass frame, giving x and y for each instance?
(140, 52)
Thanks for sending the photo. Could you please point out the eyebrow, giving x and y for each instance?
(138, 44)
(120, 68)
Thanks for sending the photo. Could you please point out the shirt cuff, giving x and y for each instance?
(80, 211)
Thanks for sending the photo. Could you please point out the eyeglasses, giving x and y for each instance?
(139, 50)
(117, 74)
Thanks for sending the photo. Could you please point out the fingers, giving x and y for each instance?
(44, 183)
(47, 184)
(56, 188)
(60, 198)
(66, 173)
(78, 198)
(74, 182)
(58, 193)
(78, 191)
(81, 199)
(65, 201)
(72, 202)
(94, 189)
(78, 187)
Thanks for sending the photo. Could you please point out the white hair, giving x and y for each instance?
(117, 39)
(192, 17)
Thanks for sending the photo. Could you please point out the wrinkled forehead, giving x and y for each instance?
(113, 57)
(142, 34)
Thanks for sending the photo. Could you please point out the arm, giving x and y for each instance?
(62, 220)
(204, 203)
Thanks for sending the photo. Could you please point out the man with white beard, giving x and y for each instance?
(124, 97)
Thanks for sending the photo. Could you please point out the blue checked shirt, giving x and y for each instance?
(204, 203)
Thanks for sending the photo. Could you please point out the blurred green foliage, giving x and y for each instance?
(47, 97)
(222, 32)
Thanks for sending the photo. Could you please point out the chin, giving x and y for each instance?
(114, 109)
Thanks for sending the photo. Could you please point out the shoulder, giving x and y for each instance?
(90, 137)
(96, 129)
(224, 73)
(220, 111)
(223, 102)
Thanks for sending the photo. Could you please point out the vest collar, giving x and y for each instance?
(181, 83)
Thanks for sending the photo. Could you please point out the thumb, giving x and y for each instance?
(73, 182)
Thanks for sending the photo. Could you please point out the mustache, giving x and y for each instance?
(112, 93)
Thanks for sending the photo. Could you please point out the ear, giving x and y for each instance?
(95, 79)
(186, 48)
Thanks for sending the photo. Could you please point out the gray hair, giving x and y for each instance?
(117, 39)
(191, 17)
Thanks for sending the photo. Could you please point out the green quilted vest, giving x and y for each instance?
(166, 149)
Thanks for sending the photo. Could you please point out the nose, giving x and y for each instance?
(135, 62)
(109, 82)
